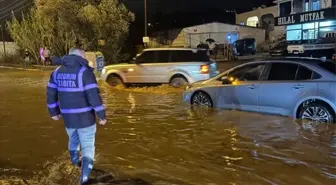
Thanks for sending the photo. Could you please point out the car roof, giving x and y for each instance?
(306, 60)
(179, 49)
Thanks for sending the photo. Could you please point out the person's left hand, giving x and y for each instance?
(56, 118)
(102, 121)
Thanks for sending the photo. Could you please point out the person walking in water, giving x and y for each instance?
(73, 92)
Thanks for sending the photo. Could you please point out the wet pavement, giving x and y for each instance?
(153, 136)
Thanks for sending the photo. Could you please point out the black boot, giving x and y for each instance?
(87, 166)
(74, 156)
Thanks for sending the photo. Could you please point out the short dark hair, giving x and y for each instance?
(76, 51)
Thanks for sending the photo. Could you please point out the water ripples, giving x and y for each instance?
(152, 135)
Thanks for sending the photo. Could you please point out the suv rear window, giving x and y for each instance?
(329, 66)
(189, 56)
(201, 55)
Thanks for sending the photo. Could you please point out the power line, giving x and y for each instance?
(10, 8)
(8, 5)
(13, 11)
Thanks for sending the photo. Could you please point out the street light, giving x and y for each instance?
(145, 6)
(3, 41)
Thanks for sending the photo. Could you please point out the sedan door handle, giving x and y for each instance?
(298, 86)
(251, 86)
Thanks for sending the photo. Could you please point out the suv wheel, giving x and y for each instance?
(178, 81)
(317, 112)
(202, 99)
(114, 81)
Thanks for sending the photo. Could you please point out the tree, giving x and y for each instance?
(60, 23)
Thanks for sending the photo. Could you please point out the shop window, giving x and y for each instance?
(308, 34)
(294, 32)
(323, 32)
(294, 27)
(327, 23)
(308, 26)
(293, 35)
(315, 5)
(309, 31)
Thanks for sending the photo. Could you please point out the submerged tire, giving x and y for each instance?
(317, 112)
(201, 98)
(114, 81)
(178, 81)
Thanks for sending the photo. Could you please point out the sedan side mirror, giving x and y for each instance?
(226, 80)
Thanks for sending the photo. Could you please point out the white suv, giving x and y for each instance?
(175, 66)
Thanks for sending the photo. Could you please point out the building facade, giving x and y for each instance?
(263, 17)
(310, 25)
(221, 33)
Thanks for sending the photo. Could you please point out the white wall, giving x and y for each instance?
(10, 47)
(259, 12)
(278, 32)
(247, 32)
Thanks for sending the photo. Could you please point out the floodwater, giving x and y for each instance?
(152, 135)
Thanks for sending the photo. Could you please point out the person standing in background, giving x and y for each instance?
(26, 58)
(46, 55)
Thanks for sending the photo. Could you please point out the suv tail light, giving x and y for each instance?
(204, 69)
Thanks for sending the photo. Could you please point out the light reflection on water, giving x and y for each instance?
(152, 135)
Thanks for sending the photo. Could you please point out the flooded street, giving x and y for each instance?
(152, 135)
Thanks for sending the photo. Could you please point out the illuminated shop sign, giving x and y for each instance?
(305, 17)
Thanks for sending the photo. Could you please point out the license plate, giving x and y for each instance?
(296, 52)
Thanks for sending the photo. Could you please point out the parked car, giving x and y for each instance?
(280, 49)
(245, 46)
(175, 66)
(297, 87)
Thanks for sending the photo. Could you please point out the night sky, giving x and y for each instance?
(194, 5)
(166, 14)
(164, 6)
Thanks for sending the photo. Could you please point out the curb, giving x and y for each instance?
(21, 68)
(98, 76)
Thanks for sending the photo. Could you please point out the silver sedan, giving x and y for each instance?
(301, 88)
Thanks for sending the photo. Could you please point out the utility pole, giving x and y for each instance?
(145, 4)
(3, 41)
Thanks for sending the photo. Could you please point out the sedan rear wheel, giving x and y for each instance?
(318, 113)
(202, 99)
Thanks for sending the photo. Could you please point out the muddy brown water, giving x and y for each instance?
(154, 136)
